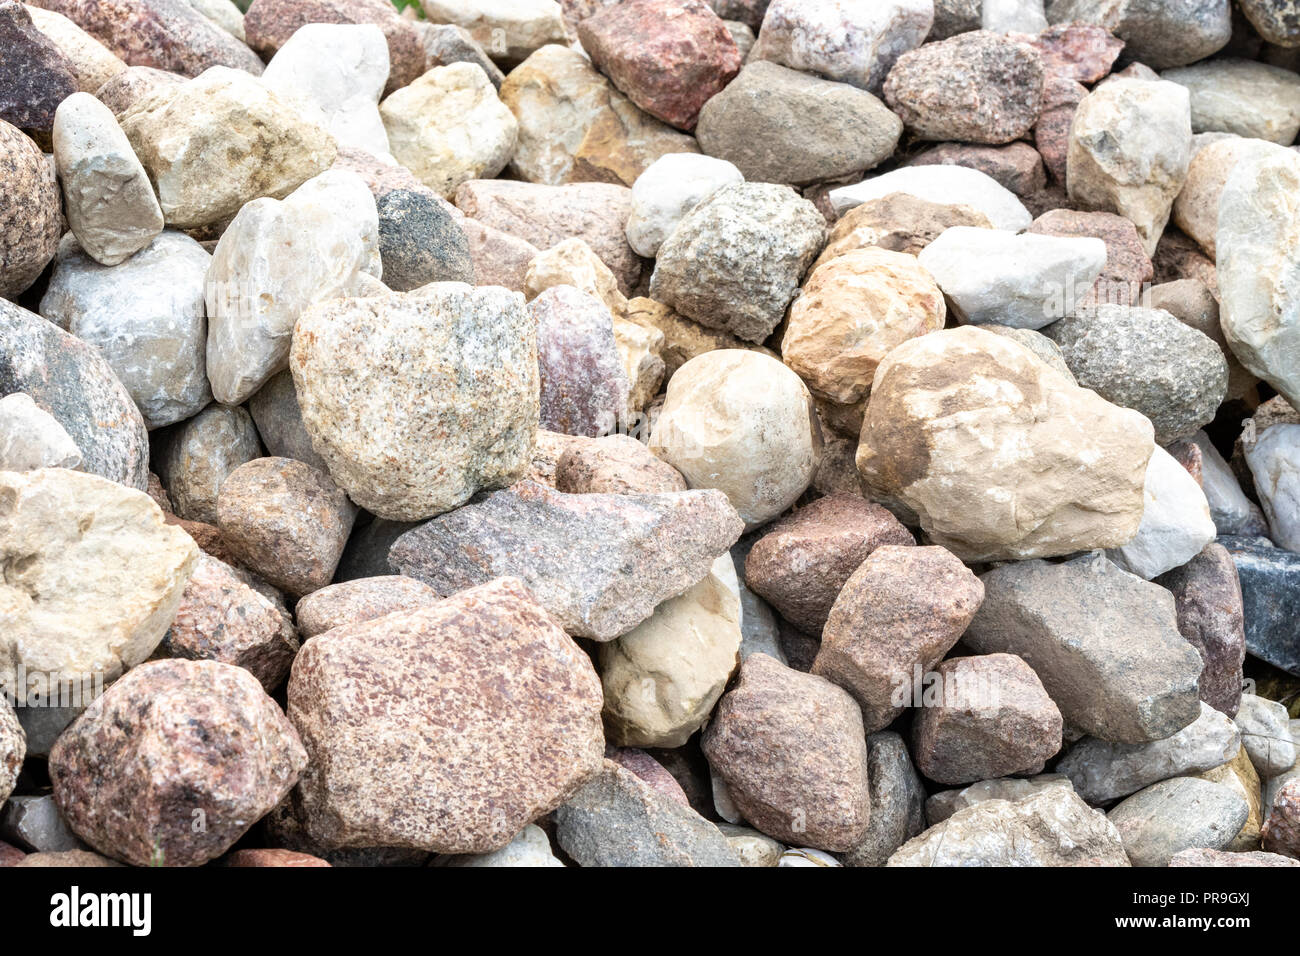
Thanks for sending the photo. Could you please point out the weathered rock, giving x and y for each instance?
(32, 438)
(272, 857)
(1239, 775)
(421, 241)
(1176, 524)
(753, 848)
(669, 189)
(1205, 858)
(37, 76)
(1274, 461)
(1281, 831)
(583, 383)
(897, 223)
(1061, 97)
(897, 801)
(509, 31)
(615, 464)
(530, 848)
(35, 823)
(1183, 813)
(134, 85)
(943, 185)
(684, 339)
(1191, 302)
(1274, 20)
(361, 600)
(640, 349)
(275, 412)
(1082, 52)
(1158, 35)
(1128, 268)
(1196, 210)
(479, 716)
(1243, 97)
(1016, 166)
(200, 453)
(31, 213)
(1232, 511)
(446, 43)
(92, 63)
(1265, 735)
(13, 749)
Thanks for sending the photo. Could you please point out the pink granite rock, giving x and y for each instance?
(615, 464)
(272, 857)
(1083, 52)
(583, 384)
(1061, 97)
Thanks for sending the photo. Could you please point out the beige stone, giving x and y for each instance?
(1196, 210)
(683, 338)
(93, 64)
(507, 30)
(899, 222)
(639, 347)
(572, 262)
(1239, 774)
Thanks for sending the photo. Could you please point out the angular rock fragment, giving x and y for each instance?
(32, 438)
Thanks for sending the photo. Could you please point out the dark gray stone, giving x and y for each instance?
(897, 801)
(1270, 592)
(35, 77)
(420, 242)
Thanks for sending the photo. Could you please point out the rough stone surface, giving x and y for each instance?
(1270, 590)
(13, 749)
(1158, 35)
(1182, 813)
(1083, 52)
(615, 464)
(583, 382)
(421, 241)
(1205, 858)
(360, 600)
(1281, 831)
(1017, 166)
(943, 185)
(1128, 268)
(32, 438)
(133, 85)
(1274, 460)
(1242, 97)
(1176, 523)
(200, 453)
(1265, 735)
(31, 213)
(898, 222)
(942, 805)
(92, 63)
(509, 31)
(1275, 21)
(897, 801)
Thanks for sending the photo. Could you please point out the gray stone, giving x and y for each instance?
(1157, 34)
(275, 412)
(1183, 813)
(1243, 97)
(897, 801)
(1274, 460)
(1266, 735)
(1270, 593)
(940, 806)
(34, 822)
(198, 455)
(420, 241)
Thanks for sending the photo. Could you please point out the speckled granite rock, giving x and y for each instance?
(200, 453)
(615, 464)
(360, 600)
(31, 212)
(583, 382)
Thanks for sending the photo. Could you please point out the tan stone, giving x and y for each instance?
(899, 222)
(93, 64)
(572, 262)
(1196, 210)
(684, 339)
(639, 348)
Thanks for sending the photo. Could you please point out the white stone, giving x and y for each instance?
(1274, 461)
(529, 848)
(1243, 97)
(506, 29)
(1013, 16)
(946, 185)
(108, 198)
(673, 186)
(32, 438)
(1232, 511)
(807, 856)
(1026, 281)
(277, 258)
(335, 74)
(145, 315)
(1176, 523)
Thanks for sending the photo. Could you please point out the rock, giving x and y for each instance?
(1102, 771)
(944, 185)
(1204, 858)
(480, 715)
(617, 820)
(583, 383)
(1196, 210)
(639, 349)
(530, 848)
(945, 803)
(781, 126)
(806, 856)
(68, 858)
(1191, 302)
(1178, 257)
(220, 13)
(1082, 52)
(615, 464)
(145, 317)
(898, 222)
(735, 261)
(35, 823)
(361, 600)
(217, 142)
(174, 763)
(384, 433)
(1243, 97)
(573, 263)
(421, 242)
(335, 74)
(802, 562)
(275, 412)
(1050, 828)
(1025, 281)
(753, 848)
(575, 126)
(1039, 344)
(13, 749)
(1270, 590)
(684, 339)
(1274, 21)
(1232, 511)
(449, 127)
(980, 501)
(1127, 683)
(897, 801)
(1158, 35)
(71, 381)
(1179, 814)
(793, 754)
(31, 214)
(1130, 145)
(1239, 775)
(1127, 272)
(285, 520)
(37, 76)
(850, 43)
(667, 191)
(977, 87)
(1016, 166)
(510, 31)
(32, 438)
(650, 771)
(1061, 97)
(1009, 16)
(1281, 833)
(1265, 735)
(1176, 523)
(133, 85)
(545, 216)
(542, 536)
(273, 857)
(270, 24)
(662, 679)
(92, 63)
(721, 428)
(1274, 462)
(446, 43)
(199, 455)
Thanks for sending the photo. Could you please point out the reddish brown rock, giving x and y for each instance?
(174, 763)
(992, 718)
(446, 729)
(1127, 267)
(1187, 453)
(1017, 166)
(64, 859)
(793, 753)
(615, 464)
(1281, 831)
(651, 771)
(1083, 52)
(1179, 257)
(35, 77)
(206, 536)
(285, 520)
(269, 24)
(361, 600)
(167, 34)
(583, 382)
(10, 855)
(669, 56)
(802, 562)
(1061, 97)
(499, 258)
(272, 857)
(896, 617)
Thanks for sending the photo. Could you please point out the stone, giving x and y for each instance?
(1179, 257)
(945, 803)
(1158, 35)
(583, 383)
(446, 43)
(1270, 590)
(220, 13)
(286, 521)
(1104, 643)
(1061, 97)
(1265, 735)
(217, 142)
(639, 349)
(1176, 524)
(222, 618)
(1182, 813)
(37, 76)
(275, 260)
(1239, 775)
(1196, 210)
(1050, 828)
(361, 600)
(1023, 281)
(684, 339)
(275, 412)
(1127, 271)
(667, 191)
(778, 125)
(531, 848)
(31, 214)
(272, 858)
(721, 428)
(897, 801)
(1191, 302)
(71, 381)
(617, 820)
(1016, 166)
(111, 207)
(615, 464)
(573, 263)
(1036, 492)
(68, 858)
(542, 536)
(793, 754)
(449, 127)
(168, 35)
(1083, 52)
(133, 85)
(173, 742)
(1103, 771)
(1039, 344)
(1274, 21)
(575, 126)
(650, 771)
(421, 241)
(1010, 16)
(381, 419)
(801, 562)
(851, 43)
(898, 222)
(32, 438)
(200, 454)
(145, 316)
(270, 24)
(92, 63)
(445, 729)
(13, 749)
(1204, 858)
(335, 74)
(807, 856)
(1274, 461)
(662, 679)
(944, 185)
(545, 216)
(35, 823)
(1281, 831)
(735, 261)
(1232, 511)
(977, 87)
(753, 848)
(508, 31)
(1130, 146)
(1242, 96)
(668, 56)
